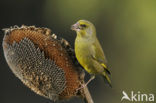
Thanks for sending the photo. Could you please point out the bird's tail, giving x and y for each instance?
(106, 78)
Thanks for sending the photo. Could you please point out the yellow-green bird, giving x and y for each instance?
(88, 50)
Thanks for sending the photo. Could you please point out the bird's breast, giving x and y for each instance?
(82, 51)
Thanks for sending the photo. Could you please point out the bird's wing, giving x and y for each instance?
(99, 56)
(98, 52)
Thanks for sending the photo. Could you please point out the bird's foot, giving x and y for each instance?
(84, 85)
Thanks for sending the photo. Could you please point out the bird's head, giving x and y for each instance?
(84, 28)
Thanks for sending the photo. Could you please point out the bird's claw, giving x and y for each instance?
(82, 86)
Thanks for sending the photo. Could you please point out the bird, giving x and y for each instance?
(89, 52)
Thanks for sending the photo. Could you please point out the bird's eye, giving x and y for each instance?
(83, 25)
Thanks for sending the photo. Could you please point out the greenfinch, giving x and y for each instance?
(89, 52)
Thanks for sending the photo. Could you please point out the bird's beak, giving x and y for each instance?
(75, 27)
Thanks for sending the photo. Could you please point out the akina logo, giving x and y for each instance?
(137, 96)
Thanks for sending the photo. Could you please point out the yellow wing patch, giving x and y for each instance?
(104, 65)
(105, 68)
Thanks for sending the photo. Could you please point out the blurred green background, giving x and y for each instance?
(126, 30)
